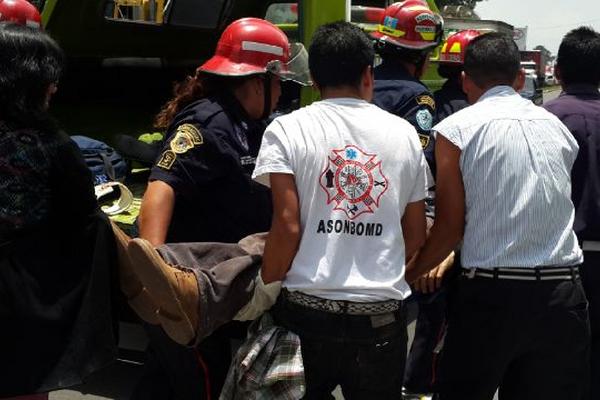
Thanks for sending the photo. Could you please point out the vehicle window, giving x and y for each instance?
(287, 13)
(203, 14)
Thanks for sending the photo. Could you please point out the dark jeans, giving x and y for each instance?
(367, 361)
(421, 362)
(529, 338)
(590, 273)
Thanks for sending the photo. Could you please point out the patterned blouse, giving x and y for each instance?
(37, 173)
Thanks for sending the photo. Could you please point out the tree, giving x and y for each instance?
(468, 3)
(545, 52)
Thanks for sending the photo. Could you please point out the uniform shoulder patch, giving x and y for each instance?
(166, 160)
(424, 119)
(426, 100)
(424, 140)
(186, 137)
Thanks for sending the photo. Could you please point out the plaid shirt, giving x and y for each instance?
(267, 366)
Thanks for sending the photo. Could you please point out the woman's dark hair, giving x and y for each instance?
(30, 61)
(194, 88)
(339, 54)
(579, 57)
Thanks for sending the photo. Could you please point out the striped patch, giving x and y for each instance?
(262, 48)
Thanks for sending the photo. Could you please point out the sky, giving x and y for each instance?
(547, 20)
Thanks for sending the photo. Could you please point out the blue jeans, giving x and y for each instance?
(353, 351)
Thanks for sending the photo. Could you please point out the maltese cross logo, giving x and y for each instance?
(353, 181)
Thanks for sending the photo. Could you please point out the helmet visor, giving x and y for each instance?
(296, 69)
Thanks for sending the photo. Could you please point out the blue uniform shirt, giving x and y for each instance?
(208, 158)
(399, 93)
(578, 107)
(449, 99)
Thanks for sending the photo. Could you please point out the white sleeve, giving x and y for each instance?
(423, 179)
(274, 154)
(449, 131)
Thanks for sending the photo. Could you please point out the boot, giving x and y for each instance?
(174, 290)
(137, 296)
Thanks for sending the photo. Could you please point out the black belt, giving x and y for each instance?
(524, 274)
(342, 306)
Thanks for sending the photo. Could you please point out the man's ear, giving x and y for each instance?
(519, 82)
(470, 88)
(315, 85)
(367, 83)
(466, 82)
(557, 74)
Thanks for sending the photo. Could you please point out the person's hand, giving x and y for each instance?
(431, 281)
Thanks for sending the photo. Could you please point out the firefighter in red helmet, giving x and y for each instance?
(451, 98)
(200, 188)
(20, 12)
(406, 35)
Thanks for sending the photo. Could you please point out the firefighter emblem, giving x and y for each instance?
(353, 181)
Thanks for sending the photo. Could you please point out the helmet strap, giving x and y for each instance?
(267, 96)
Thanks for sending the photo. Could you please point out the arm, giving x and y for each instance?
(156, 212)
(413, 227)
(284, 236)
(449, 224)
(280, 248)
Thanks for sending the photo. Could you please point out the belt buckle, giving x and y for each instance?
(471, 273)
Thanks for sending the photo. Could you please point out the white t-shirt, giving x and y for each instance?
(356, 167)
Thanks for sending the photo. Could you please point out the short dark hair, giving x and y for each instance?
(492, 59)
(30, 62)
(579, 57)
(339, 54)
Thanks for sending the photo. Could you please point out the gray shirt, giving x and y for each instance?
(516, 160)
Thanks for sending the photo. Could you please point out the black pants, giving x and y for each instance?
(421, 362)
(347, 350)
(529, 338)
(590, 272)
(175, 372)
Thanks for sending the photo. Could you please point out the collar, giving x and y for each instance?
(498, 91)
(580, 88)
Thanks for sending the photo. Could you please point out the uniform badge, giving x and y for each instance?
(424, 140)
(166, 160)
(426, 100)
(192, 132)
(425, 120)
(353, 181)
(186, 137)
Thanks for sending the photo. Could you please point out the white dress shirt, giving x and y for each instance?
(516, 160)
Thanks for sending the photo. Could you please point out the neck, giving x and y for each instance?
(339, 92)
(409, 67)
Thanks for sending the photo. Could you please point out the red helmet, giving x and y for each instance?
(410, 24)
(453, 51)
(20, 12)
(252, 46)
